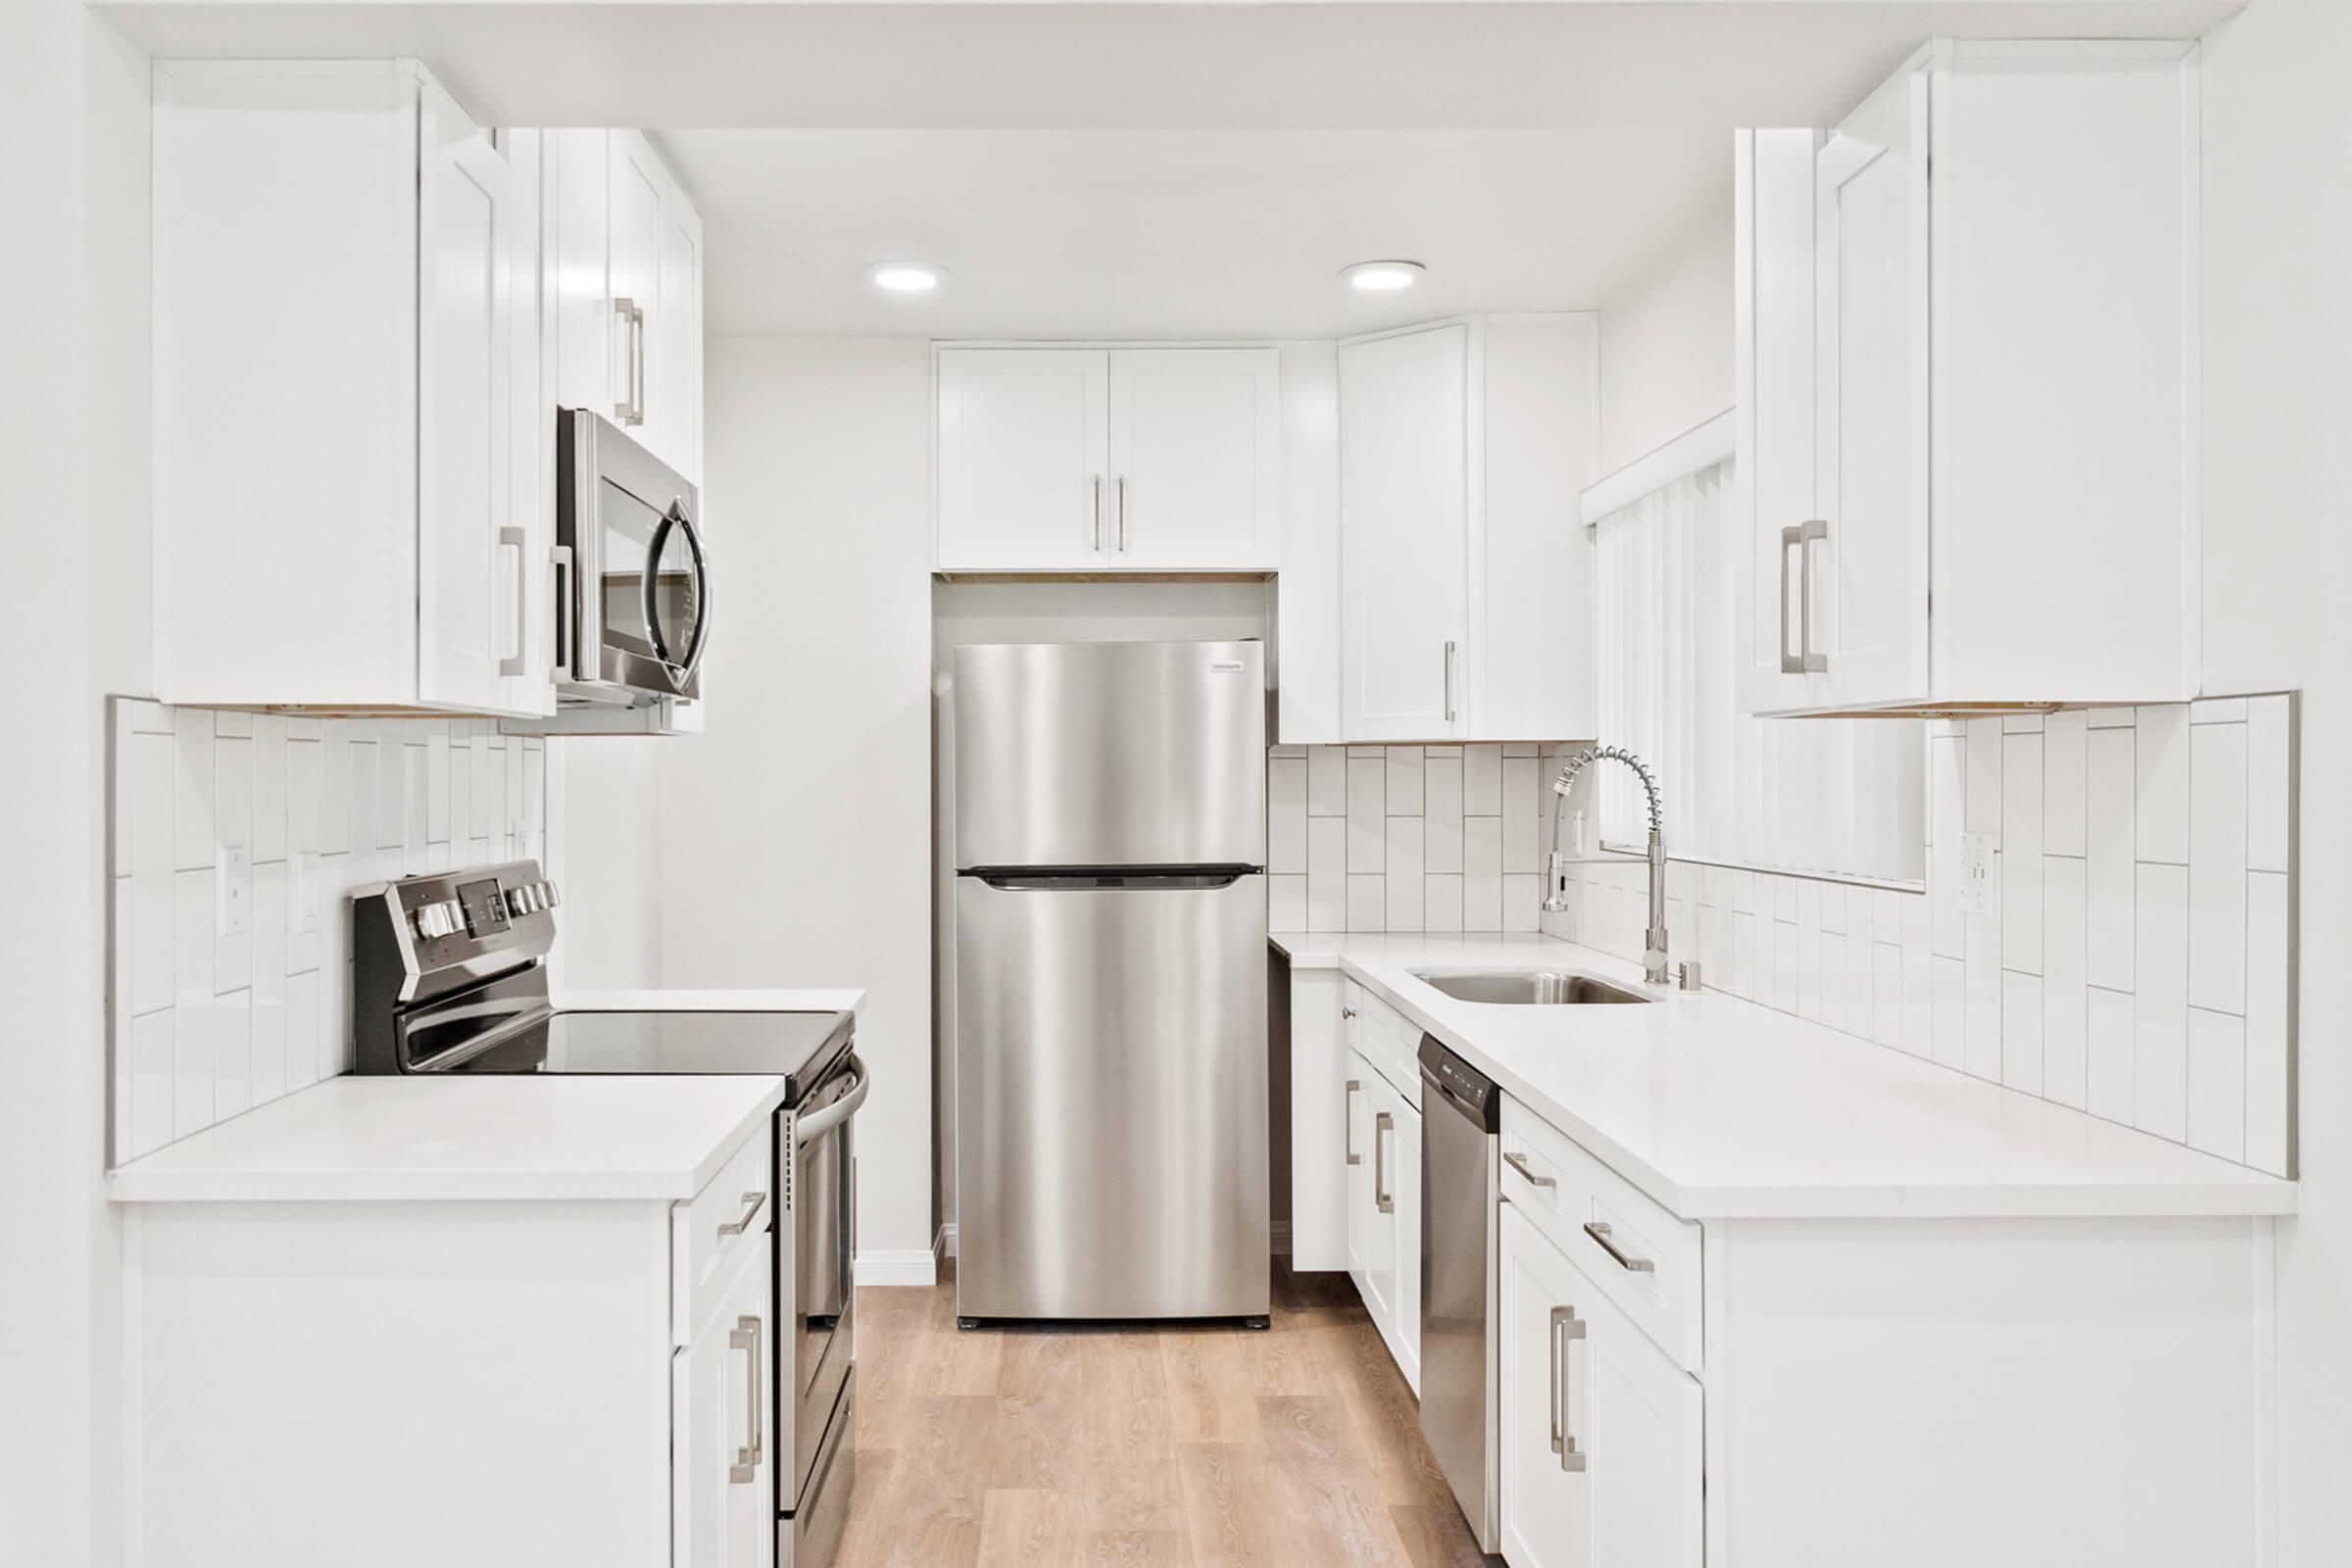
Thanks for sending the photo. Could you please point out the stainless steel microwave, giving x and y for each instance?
(632, 575)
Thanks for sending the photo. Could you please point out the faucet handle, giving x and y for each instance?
(1688, 977)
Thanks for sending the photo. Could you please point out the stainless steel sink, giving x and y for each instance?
(1543, 987)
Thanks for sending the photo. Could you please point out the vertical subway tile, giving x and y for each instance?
(2109, 869)
(301, 795)
(302, 1029)
(1783, 965)
(2161, 741)
(1744, 954)
(2064, 1020)
(1285, 815)
(1327, 873)
(1984, 1053)
(2268, 1073)
(2159, 1078)
(1919, 977)
(1482, 873)
(436, 784)
(269, 787)
(1326, 781)
(1403, 870)
(391, 789)
(193, 792)
(152, 1047)
(1519, 851)
(153, 766)
(1404, 780)
(1861, 976)
(1833, 900)
(1808, 950)
(2216, 1117)
(2020, 1031)
(413, 809)
(1947, 787)
(1482, 782)
(1765, 935)
(1951, 1012)
(2065, 785)
(1367, 818)
(2218, 710)
(1442, 813)
(269, 981)
(2269, 796)
(1834, 999)
(1887, 992)
(335, 771)
(1983, 792)
(1784, 898)
(460, 798)
(1285, 903)
(2021, 854)
(2112, 1053)
(232, 1055)
(1367, 903)
(1441, 901)
(2217, 866)
(232, 793)
(1522, 901)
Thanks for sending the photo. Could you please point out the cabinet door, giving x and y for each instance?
(674, 406)
(1195, 438)
(635, 182)
(471, 574)
(577, 191)
(1404, 1178)
(723, 1433)
(1403, 534)
(1321, 1103)
(1868, 572)
(1024, 450)
(1601, 1458)
(1775, 284)
(1364, 1228)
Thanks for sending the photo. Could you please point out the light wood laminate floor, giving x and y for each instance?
(1291, 1447)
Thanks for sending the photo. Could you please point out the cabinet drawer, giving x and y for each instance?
(1608, 1228)
(1389, 1040)
(712, 1228)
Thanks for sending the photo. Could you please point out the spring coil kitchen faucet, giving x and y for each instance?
(1653, 950)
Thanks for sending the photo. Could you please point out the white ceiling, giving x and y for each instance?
(1180, 234)
(1163, 170)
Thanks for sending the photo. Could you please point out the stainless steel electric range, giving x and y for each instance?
(450, 976)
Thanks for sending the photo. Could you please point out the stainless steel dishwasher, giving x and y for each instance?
(1461, 1192)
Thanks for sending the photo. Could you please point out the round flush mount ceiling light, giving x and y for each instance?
(1383, 277)
(905, 277)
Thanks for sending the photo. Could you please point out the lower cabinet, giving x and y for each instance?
(723, 1434)
(1601, 1461)
(1384, 1211)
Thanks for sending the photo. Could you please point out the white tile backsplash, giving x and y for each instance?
(291, 813)
(2136, 960)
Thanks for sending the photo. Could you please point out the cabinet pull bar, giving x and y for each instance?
(1812, 533)
(1601, 1234)
(514, 539)
(1450, 653)
(1096, 511)
(1122, 513)
(750, 1211)
(1384, 1122)
(1565, 1326)
(1348, 1121)
(1518, 1162)
(1791, 540)
(745, 1336)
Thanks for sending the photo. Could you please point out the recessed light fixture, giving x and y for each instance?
(1383, 277)
(905, 277)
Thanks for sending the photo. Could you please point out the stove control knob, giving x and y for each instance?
(435, 920)
(518, 901)
(547, 896)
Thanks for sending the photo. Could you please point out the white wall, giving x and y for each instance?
(73, 433)
(2278, 218)
(787, 847)
(1666, 342)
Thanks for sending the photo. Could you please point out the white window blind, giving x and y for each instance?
(1832, 797)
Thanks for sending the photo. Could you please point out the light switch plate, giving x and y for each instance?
(1975, 873)
(234, 885)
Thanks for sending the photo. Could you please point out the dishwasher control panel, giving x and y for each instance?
(1472, 1091)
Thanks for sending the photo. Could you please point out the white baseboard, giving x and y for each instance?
(905, 1267)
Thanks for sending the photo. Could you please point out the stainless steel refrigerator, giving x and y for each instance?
(1110, 981)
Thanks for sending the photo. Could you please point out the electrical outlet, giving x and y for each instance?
(234, 883)
(1975, 873)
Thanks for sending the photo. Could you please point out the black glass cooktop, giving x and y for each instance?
(647, 1043)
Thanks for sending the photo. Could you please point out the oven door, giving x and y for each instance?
(824, 1247)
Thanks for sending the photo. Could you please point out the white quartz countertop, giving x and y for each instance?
(1721, 1109)
(521, 1137)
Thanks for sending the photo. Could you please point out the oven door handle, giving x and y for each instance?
(810, 1128)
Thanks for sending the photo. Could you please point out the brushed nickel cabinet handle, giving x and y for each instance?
(746, 1337)
(516, 540)
(1565, 1326)
(1096, 512)
(1791, 540)
(750, 1211)
(1812, 533)
(1518, 1162)
(1348, 1121)
(1381, 1196)
(631, 410)
(1601, 1234)
(1449, 707)
(1122, 513)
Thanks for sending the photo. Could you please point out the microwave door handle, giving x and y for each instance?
(649, 590)
(701, 583)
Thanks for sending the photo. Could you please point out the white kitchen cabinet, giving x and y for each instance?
(1602, 1459)
(1465, 572)
(1321, 1103)
(2000, 248)
(1108, 459)
(722, 1475)
(335, 422)
(1384, 1211)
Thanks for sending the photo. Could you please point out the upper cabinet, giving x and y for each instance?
(336, 415)
(1092, 459)
(1967, 346)
(1464, 569)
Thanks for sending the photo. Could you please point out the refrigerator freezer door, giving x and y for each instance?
(1111, 1101)
(1110, 753)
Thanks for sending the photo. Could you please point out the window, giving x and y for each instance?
(1829, 797)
